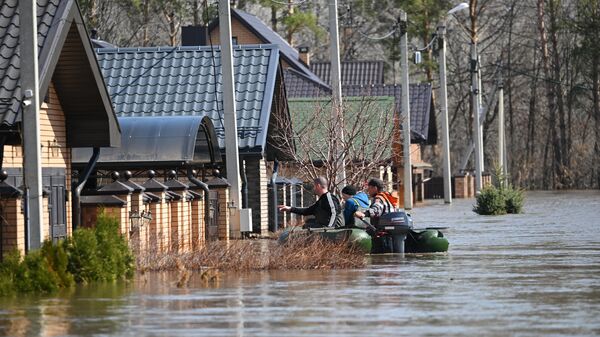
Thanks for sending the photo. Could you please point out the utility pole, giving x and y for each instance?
(336, 86)
(230, 118)
(501, 140)
(476, 119)
(405, 111)
(31, 121)
(441, 35)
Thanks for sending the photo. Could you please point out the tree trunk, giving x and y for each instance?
(550, 95)
(561, 149)
(596, 109)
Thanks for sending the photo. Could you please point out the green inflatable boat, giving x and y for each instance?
(394, 234)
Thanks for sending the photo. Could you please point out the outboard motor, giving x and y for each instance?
(391, 231)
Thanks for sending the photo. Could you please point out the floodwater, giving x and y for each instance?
(534, 274)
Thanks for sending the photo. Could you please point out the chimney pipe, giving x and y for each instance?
(194, 35)
(304, 55)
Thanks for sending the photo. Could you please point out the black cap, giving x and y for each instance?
(377, 183)
(349, 190)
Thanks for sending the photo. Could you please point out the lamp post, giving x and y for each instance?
(441, 35)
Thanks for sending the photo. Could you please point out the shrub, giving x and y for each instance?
(84, 262)
(490, 202)
(116, 258)
(100, 254)
(514, 200)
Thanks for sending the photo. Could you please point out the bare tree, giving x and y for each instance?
(368, 126)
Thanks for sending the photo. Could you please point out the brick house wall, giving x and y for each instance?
(256, 173)
(55, 154)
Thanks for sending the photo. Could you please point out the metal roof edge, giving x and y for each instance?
(268, 97)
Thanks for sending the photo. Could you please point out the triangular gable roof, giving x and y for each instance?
(186, 81)
(267, 35)
(66, 57)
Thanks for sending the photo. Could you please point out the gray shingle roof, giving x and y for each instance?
(353, 72)
(10, 64)
(422, 117)
(300, 85)
(267, 35)
(181, 81)
(66, 58)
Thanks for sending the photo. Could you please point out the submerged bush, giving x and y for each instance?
(490, 202)
(98, 254)
(514, 200)
(499, 199)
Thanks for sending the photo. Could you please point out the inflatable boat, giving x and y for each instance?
(394, 233)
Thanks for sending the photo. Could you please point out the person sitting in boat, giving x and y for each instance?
(353, 202)
(327, 209)
(383, 202)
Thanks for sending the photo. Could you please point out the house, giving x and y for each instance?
(304, 79)
(186, 81)
(75, 111)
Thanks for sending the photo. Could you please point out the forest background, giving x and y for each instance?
(545, 54)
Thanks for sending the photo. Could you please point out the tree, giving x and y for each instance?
(368, 125)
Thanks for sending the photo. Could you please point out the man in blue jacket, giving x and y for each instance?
(353, 202)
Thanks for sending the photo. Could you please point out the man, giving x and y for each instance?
(353, 202)
(327, 209)
(383, 202)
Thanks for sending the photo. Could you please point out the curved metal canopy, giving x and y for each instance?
(153, 142)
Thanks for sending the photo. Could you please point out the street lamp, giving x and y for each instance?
(441, 32)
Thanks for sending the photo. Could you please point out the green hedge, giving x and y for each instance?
(90, 255)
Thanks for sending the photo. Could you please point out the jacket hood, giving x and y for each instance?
(362, 198)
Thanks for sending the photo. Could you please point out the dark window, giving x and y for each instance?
(234, 40)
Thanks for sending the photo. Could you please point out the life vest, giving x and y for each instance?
(388, 200)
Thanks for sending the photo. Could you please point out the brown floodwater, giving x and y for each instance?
(533, 274)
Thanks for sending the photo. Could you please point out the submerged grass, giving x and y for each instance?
(253, 255)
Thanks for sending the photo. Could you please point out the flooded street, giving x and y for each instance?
(533, 274)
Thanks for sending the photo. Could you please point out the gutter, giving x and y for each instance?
(76, 216)
(204, 187)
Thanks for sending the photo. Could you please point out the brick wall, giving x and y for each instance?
(54, 154)
(12, 224)
(256, 173)
(223, 220)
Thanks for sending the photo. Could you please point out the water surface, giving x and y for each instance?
(533, 274)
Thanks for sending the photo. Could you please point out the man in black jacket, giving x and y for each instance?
(327, 209)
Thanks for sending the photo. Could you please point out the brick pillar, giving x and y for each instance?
(256, 173)
(470, 186)
(486, 179)
(224, 214)
(160, 212)
(460, 186)
(12, 224)
(196, 216)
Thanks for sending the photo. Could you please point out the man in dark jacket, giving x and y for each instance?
(327, 209)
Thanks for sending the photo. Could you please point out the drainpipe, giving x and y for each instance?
(204, 187)
(274, 192)
(244, 186)
(2, 141)
(77, 189)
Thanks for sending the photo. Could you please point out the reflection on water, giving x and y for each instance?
(534, 274)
